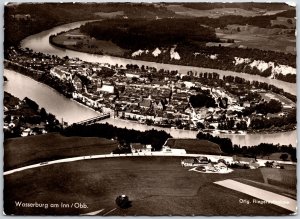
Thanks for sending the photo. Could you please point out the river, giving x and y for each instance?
(71, 111)
(40, 43)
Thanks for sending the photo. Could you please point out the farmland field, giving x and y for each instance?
(264, 41)
(20, 152)
(109, 14)
(195, 146)
(217, 12)
(155, 185)
(282, 190)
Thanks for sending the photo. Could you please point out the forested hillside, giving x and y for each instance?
(143, 33)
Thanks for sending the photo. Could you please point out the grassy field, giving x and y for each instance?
(195, 146)
(287, 182)
(275, 156)
(214, 13)
(155, 185)
(261, 40)
(88, 44)
(20, 152)
(268, 96)
(109, 14)
(283, 178)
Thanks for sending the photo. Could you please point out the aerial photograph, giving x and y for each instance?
(150, 109)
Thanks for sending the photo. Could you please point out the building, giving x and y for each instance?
(249, 161)
(107, 89)
(245, 160)
(253, 165)
(145, 103)
(61, 73)
(77, 83)
(138, 147)
(194, 162)
(221, 165)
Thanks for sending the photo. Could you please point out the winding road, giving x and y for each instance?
(213, 158)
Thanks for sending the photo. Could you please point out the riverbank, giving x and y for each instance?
(272, 130)
(89, 45)
(22, 86)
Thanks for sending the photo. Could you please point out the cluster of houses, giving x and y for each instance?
(38, 62)
(14, 122)
(138, 148)
(160, 105)
(203, 164)
(129, 95)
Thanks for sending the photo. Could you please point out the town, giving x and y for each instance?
(196, 101)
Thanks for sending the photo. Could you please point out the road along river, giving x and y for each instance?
(71, 111)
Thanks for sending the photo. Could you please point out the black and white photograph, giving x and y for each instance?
(150, 109)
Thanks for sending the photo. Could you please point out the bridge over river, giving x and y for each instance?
(94, 119)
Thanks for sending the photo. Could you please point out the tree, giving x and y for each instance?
(225, 143)
(43, 113)
(33, 105)
(275, 105)
(200, 125)
(284, 157)
(202, 100)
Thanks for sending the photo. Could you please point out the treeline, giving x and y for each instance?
(193, 54)
(153, 137)
(273, 106)
(225, 143)
(226, 56)
(263, 21)
(287, 122)
(137, 34)
(263, 149)
(42, 17)
(48, 15)
(292, 78)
